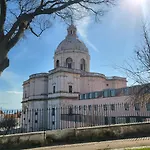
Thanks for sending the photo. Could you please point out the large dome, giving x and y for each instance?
(71, 42)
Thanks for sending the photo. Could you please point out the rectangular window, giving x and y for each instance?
(97, 94)
(105, 107)
(90, 95)
(112, 106)
(36, 113)
(113, 120)
(54, 89)
(83, 96)
(126, 91)
(87, 96)
(69, 65)
(112, 92)
(148, 106)
(25, 95)
(126, 106)
(81, 66)
(53, 122)
(70, 88)
(137, 106)
(106, 93)
(36, 121)
(53, 111)
(93, 95)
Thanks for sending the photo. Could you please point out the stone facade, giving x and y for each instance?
(70, 77)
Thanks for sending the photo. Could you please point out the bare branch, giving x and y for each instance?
(25, 12)
(18, 35)
(139, 70)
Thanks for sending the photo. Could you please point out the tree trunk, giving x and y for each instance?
(4, 61)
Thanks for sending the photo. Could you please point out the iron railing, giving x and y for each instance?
(54, 117)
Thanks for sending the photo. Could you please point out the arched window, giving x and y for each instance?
(57, 63)
(69, 62)
(82, 64)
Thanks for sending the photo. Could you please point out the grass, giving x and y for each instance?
(142, 148)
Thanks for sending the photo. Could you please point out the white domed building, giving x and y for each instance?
(67, 84)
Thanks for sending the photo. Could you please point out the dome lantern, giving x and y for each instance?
(72, 53)
(71, 42)
(72, 31)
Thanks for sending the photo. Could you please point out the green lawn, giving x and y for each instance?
(148, 148)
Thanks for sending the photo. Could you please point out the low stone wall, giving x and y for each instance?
(22, 140)
(78, 135)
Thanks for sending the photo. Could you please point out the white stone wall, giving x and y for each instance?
(36, 88)
(26, 90)
(76, 57)
(91, 84)
(34, 115)
(61, 81)
(115, 83)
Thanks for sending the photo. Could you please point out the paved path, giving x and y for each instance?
(116, 144)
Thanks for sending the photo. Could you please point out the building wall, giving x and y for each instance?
(26, 90)
(61, 81)
(34, 115)
(90, 84)
(119, 105)
(37, 115)
(93, 111)
(76, 57)
(35, 88)
(115, 83)
(94, 83)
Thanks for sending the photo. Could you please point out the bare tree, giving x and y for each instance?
(18, 16)
(139, 70)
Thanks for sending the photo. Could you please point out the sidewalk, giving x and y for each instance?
(136, 142)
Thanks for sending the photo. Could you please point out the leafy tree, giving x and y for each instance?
(18, 16)
(8, 123)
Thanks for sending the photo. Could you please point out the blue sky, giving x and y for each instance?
(111, 42)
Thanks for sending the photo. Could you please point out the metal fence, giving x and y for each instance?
(53, 118)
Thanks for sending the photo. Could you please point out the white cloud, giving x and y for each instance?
(82, 26)
(91, 45)
(14, 92)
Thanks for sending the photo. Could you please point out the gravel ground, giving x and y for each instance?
(116, 144)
